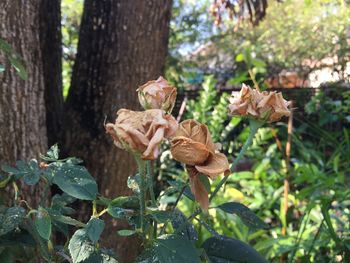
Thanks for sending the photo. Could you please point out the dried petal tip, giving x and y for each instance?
(157, 94)
(263, 106)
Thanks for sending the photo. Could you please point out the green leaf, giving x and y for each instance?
(52, 154)
(102, 256)
(175, 249)
(258, 63)
(10, 219)
(30, 172)
(9, 169)
(188, 193)
(245, 214)
(43, 223)
(205, 181)
(4, 180)
(33, 176)
(94, 229)
(161, 216)
(17, 238)
(6, 256)
(19, 67)
(2, 68)
(5, 47)
(224, 249)
(125, 202)
(80, 246)
(182, 226)
(119, 212)
(57, 216)
(240, 57)
(126, 232)
(76, 181)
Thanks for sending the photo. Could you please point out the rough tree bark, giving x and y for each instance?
(22, 108)
(122, 44)
(51, 49)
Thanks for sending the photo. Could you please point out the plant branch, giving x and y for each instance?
(141, 166)
(254, 126)
(150, 176)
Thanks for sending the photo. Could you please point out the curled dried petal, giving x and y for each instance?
(199, 192)
(141, 132)
(188, 151)
(216, 164)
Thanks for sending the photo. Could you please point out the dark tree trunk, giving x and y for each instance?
(122, 44)
(22, 107)
(51, 47)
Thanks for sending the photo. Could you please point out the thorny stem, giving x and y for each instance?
(175, 204)
(150, 185)
(141, 167)
(150, 176)
(254, 126)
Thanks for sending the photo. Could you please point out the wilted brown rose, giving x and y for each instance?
(157, 94)
(142, 131)
(264, 106)
(193, 146)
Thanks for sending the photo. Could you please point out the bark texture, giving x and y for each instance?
(22, 108)
(122, 44)
(51, 48)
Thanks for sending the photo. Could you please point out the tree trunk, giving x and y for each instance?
(51, 48)
(122, 44)
(22, 108)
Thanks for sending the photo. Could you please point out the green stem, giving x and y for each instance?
(150, 184)
(94, 208)
(141, 166)
(150, 176)
(15, 187)
(254, 126)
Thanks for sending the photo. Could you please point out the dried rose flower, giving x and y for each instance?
(264, 106)
(142, 131)
(157, 94)
(193, 146)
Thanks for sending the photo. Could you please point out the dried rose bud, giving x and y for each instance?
(193, 146)
(142, 132)
(263, 106)
(157, 94)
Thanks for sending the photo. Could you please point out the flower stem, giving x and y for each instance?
(141, 166)
(254, 126)
(150, 176)
(150, 185)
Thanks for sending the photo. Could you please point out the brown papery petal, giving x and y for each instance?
(172, 126)
(199, 133)
(151, 152)
(188, 151)
(199, 192)
(132, 136)
(216, 164)
(185, 128)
